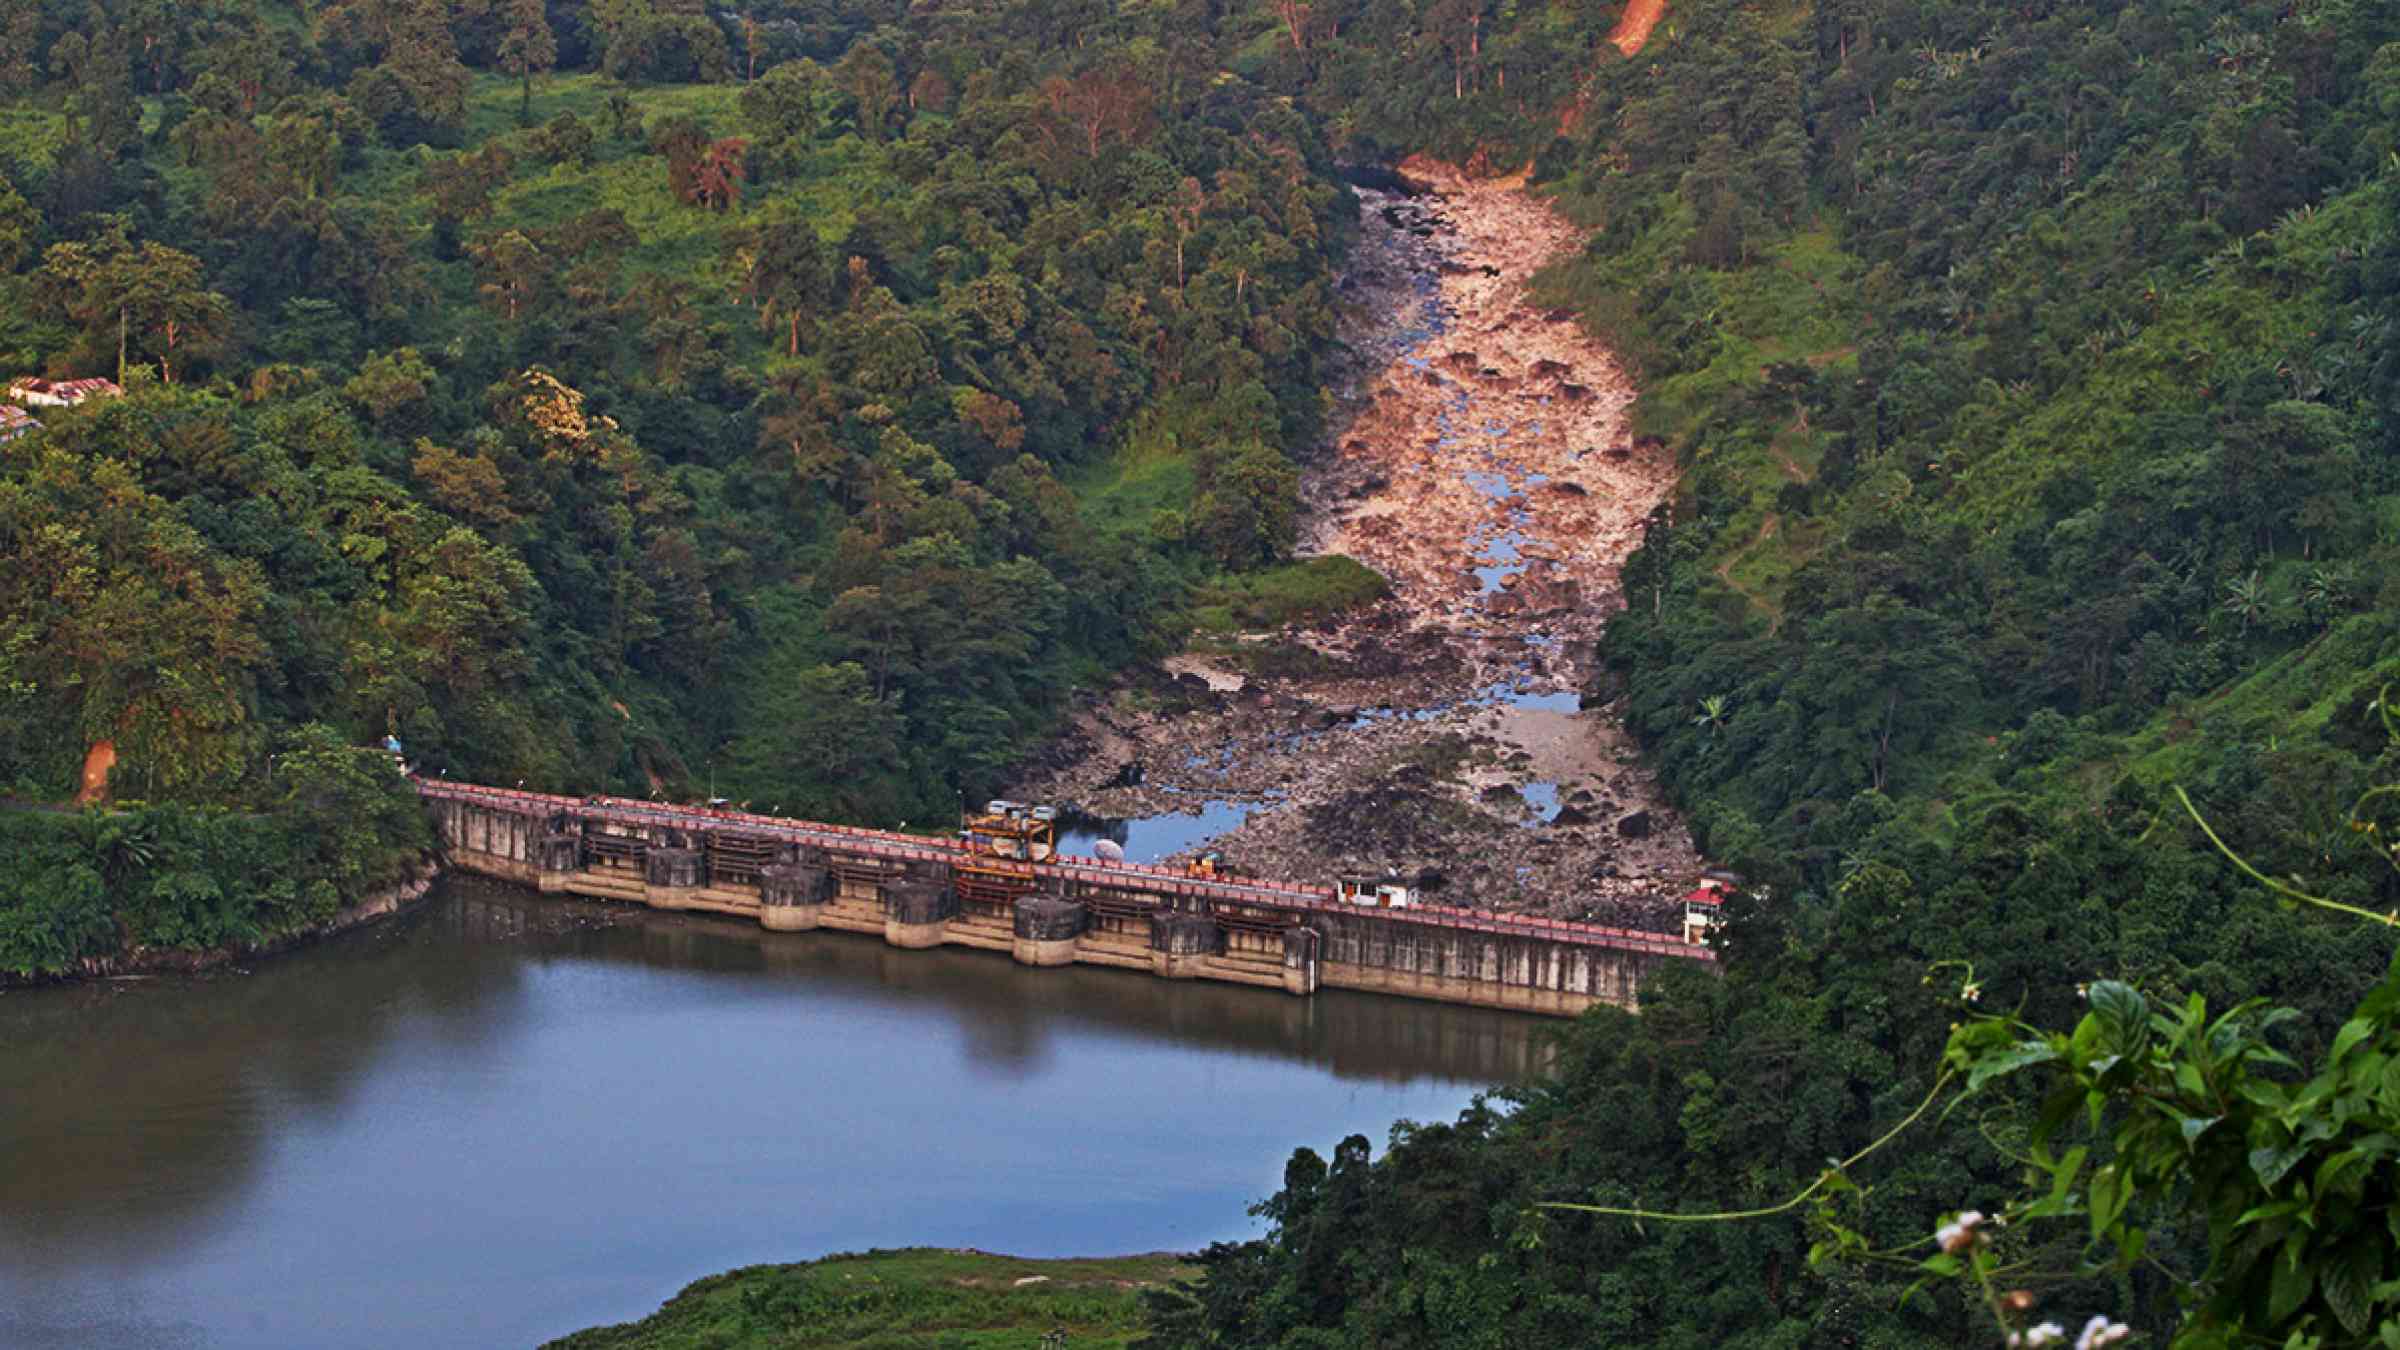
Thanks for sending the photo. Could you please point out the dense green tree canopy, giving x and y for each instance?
(2031, 372)
(520, 415)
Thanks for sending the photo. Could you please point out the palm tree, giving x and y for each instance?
(1712, 714)
(2326, 592)
(2247, 598)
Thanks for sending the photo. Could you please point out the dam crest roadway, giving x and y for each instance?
(1042, 909)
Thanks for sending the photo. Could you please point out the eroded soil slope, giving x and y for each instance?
(1482, 465)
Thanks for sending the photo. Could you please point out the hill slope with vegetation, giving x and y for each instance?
(522, 408)
(797, 400)
(2033, 370)
(792, 406)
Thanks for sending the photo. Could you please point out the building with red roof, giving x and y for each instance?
(40, 393)
(16, 422)
(1703, 910)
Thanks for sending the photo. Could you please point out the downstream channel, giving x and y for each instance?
(1483, 463)
(499, 1118)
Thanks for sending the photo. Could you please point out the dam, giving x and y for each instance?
(918, 892)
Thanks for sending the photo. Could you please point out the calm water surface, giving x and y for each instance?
(501, 1118)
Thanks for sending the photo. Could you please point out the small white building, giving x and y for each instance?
(35, 392)
(1378, 892)
(1703, 911)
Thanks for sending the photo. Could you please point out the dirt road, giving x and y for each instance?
(1483, 465)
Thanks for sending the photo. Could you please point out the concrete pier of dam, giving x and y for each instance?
(914, 892)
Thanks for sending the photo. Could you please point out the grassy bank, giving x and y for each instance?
(896, 1300)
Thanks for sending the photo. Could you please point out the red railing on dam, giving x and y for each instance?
(908, 848)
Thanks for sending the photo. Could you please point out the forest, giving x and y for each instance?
(792, 410)
(632, 393)
(2033, 370)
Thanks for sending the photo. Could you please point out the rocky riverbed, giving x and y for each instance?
(1482, 463)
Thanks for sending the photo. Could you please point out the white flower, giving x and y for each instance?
(1959, 1234)
(2048, 1333)
(2100, 1332)
(1972, 993)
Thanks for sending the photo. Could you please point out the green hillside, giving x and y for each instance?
(2033, 372)
(600, 397)
(924, 1299)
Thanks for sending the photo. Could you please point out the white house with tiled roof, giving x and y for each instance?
(34, 392)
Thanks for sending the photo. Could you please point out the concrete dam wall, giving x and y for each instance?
(794, 876)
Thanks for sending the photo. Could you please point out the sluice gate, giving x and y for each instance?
(797, 876)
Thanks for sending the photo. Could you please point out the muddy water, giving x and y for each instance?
(1483, 465)
(500, 1118)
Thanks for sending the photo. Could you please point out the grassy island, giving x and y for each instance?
(901, 1300)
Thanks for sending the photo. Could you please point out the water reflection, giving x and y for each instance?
(1149, 839)
(502, 1117)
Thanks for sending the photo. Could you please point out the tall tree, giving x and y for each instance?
(717, 176)
(528, 48)
(515, 272)
(145, 636)
(790, 275)
(242, 66)
(20, 227)
(866, 74)
(413, 44)
(1295, 15)
(783, 105)
(151, 296)
(96, 65)
(20, 30)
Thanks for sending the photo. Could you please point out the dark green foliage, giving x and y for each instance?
(1319, 590)
(633, 430)
(2151, 1120)
(97, 884)
(2030, 373)
(2200, 1122)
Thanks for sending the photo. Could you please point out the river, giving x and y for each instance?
(499, 1118)
(1482, 460)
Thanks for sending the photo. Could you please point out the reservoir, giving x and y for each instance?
(500, 1118)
